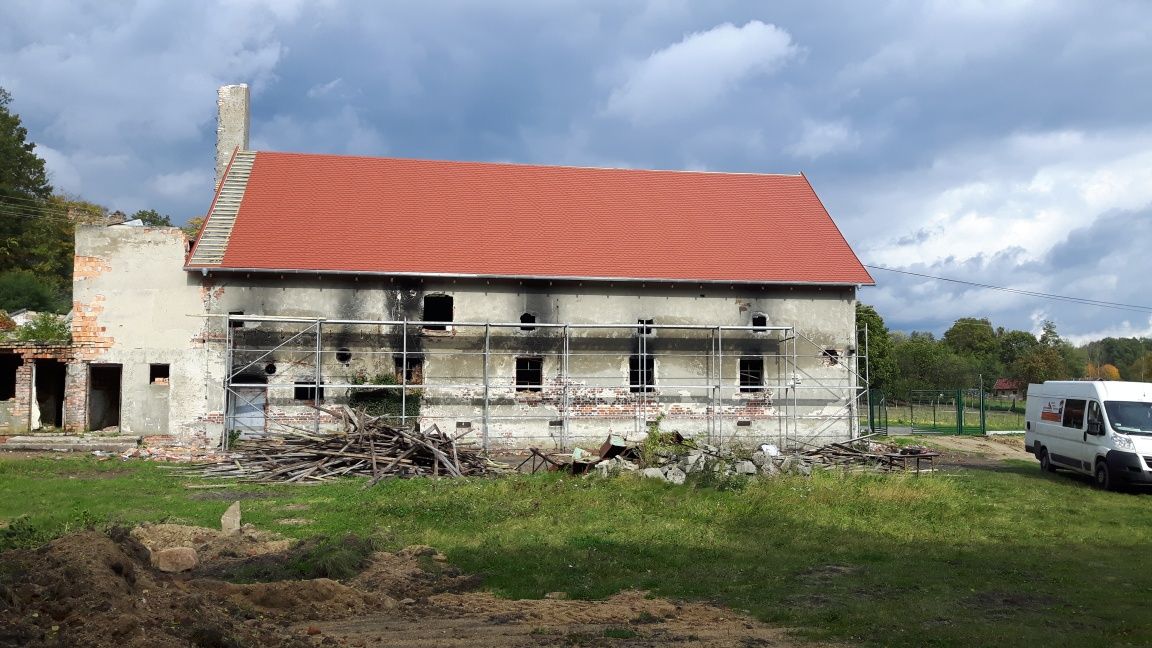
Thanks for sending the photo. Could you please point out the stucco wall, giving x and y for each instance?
(135, 306)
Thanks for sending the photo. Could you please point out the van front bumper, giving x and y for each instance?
(1126, 467)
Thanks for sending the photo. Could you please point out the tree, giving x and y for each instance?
(1141, 370)
(23, 185)
(25, 289)
(881, 364)
(45, 328)
(972, 336)
(192, 227)
(1101, 372)
(1048, 335)
(152, 218)
(1040, 364)
(1014, 344)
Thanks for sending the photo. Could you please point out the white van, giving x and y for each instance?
(1099, 428)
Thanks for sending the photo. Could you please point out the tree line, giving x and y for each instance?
(974, 353)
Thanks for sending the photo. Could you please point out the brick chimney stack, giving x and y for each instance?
(231, 125)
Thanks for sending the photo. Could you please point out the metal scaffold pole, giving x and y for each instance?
(565, 371)
(316, 380)
(404, 374)
(487, 351)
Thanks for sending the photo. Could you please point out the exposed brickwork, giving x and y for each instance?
(20, 406)
(76, 397)
(89, 339)
(88, 267)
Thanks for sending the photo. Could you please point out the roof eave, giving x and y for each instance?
(454, 275)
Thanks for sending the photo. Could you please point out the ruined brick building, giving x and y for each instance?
(517, 304)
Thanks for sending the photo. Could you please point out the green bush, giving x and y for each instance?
(45, 328)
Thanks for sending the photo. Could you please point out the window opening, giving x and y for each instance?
(751, 374)
(158, 374)
(306, 391)
(529, 374)
(645, 326)
(760, 322)
(1074, 413)
(832, 355)
(413, 374)
(641, 373)
(527, 318)
(234, 323)
(9, 363)
(343, 355)
(437, 308)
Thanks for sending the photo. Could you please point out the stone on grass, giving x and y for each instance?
(759, 458)
(676, 476)
(175, 559)
(230, 521)
(745, 468)
(652, 473)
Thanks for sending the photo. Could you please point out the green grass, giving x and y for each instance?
(973, 558)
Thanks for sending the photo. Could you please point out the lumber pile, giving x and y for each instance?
(367, 447)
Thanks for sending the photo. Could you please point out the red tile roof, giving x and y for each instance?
(327, 213)
(1007, 384)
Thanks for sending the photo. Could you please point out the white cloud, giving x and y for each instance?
(821, 138)
(1023, 193)
(698, 71)
(321, 89)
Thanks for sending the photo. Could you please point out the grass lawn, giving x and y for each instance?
(971, 558)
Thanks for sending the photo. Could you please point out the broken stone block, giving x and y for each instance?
(804, 469)
(745, 468)
(230, 521)
(770, 469)
(175, 559)
(652, 473)
(786, 465)
(676, 476)
(759, 458)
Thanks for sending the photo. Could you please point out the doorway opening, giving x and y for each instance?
(104, 396)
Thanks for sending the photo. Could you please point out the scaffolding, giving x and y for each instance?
(724, 384)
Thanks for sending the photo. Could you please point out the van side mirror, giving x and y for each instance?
(1095, 428)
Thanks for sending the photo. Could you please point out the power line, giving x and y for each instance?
(1030, 293)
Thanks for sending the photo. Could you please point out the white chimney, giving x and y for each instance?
(231, 125)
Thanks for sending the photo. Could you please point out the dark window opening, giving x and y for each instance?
(527, 318)
(1074, 413)
(463, 425)
(760, 322)
(103, 396)
(235, 323)
(158, 374)
(529, 374)
(413, 374)
(343, 355)
(9, 363)
(645, 327)
(270, 368)
(306, 391)
(751, 374)
(641, 373)
(832, 355)
(437, 308)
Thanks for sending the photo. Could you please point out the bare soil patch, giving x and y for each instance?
(99, 589)
(977, 451)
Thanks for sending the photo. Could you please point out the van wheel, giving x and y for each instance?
(1046, 461)
(1103, 476)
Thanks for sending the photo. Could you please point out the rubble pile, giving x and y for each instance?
(367, 447)
(673, 459)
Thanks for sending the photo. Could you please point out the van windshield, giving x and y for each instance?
(1130, 417)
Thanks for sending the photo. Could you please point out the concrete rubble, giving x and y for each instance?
(672, 458)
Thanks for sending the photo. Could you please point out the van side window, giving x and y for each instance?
(1095, 418)
(1074, 413)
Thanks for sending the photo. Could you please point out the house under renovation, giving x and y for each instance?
(518, 305)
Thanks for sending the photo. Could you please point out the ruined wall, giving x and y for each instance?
(135, 307)
(21, 412)
(595, 389)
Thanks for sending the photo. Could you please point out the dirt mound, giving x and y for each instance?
(91, 590)
(97, 589)
(310, 599)
(211, 545)
(414, 572)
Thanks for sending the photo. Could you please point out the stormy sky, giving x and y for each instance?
(1002, 142)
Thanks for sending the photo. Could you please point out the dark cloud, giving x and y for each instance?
(967, 139)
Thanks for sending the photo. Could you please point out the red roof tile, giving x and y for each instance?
(1007, 384)
(396, 216)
